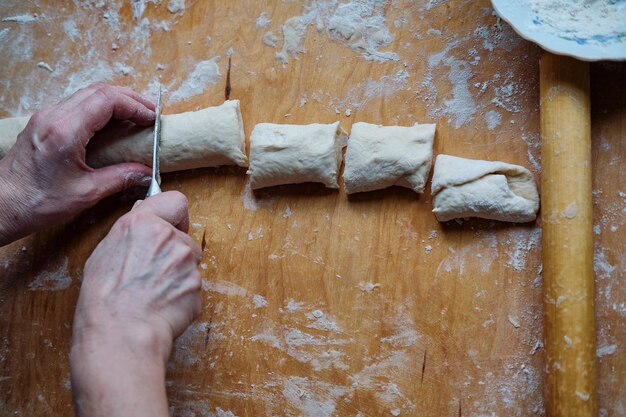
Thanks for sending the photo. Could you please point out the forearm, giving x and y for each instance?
(118, 374)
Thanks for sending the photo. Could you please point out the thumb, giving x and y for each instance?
(115, 178)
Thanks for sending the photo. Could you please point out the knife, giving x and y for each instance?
(155, 187)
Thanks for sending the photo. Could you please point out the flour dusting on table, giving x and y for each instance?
(55, 280)
(358, 24)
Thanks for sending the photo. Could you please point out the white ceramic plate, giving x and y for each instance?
(588, 47)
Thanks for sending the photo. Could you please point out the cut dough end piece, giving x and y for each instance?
(489, 190)
(294, 154)
(381, 156)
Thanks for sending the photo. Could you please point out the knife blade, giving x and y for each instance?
(155, 182)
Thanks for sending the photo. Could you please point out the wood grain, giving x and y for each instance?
(452, 321)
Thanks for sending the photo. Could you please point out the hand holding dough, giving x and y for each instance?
(293, 154)
(381, 156)
(490, 190)
(206, 138)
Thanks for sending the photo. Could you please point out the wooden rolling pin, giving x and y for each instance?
(568, 281)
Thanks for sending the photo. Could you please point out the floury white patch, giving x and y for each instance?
(358, 24)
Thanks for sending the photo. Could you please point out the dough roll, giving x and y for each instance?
(206, 138)
(489, 190)
(381, 156)
(294, 154)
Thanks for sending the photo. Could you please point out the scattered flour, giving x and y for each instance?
(312, 398)
(45, 66)
(139, 7)
(187, 352)
(321, 322)
(403, 338)
(534, 154)
(461, 107)
(70, 29)
(358, 24)
(197, 409)
(204, 73)
(603, 351)
(21, 19)
(251, 201)
(259, 301)
(152, 90)
(98, 71)
(176, 6)
(269, 39)
(570, 211)
(293, 306)
(52, 280)
(294, 31)
(602, 267)
(4, 32)
(110, 44)
(523, 243)
(361, 94)
(268, 338)
(433, 32)
(263, 21)
(493, 119)
(318, 351)
(514, 322)
(368, 286)
(225, 288)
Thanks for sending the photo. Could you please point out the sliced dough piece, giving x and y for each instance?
(206, 138)
(381, 156)
(490, 190)
(9, 129)
(293, 154)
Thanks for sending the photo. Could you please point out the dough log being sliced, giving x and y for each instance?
(294, 154)
(205, 138)
(489, 190)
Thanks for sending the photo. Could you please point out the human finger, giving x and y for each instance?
(138, 202)
(171, 206)
(136, 96)
(71, 101)
(95, 111)
(80, 95)
(115, 178)
(188, 241)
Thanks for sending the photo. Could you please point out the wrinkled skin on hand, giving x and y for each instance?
(141, 289)
(144, 273)
(44, 178)
(141, 285)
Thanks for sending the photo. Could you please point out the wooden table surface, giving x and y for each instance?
(316, 304)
